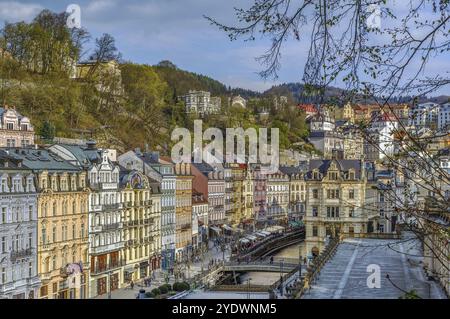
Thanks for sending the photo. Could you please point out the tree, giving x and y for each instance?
(377, 63)
(47, 131)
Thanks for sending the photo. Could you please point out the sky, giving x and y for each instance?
(153, 30)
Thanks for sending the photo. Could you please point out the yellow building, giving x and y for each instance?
(141, 224)
(248, 214)
(183, 216)
(335, 201)
(62, 225)
(348, 113)
(236, 196)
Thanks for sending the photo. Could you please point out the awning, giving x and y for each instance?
(226, 227)
(243, 240)
(260, 234)
(216, 229)
(265, 232)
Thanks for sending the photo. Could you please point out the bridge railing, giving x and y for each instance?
(315, 267)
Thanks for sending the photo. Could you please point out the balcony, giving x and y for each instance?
(99, 269)
(114, 226)
(107, 248)
(112, 206)
(96, 229)
(185, 226)
(108, 186)
(25, 253)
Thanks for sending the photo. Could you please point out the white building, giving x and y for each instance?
(18, 230)
(201, 102)
(105, 209)
(382, 132)
(15, 130)
(444, 116)
(424, 115)
(238, 101)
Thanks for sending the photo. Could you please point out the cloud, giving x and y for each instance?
(15, 11)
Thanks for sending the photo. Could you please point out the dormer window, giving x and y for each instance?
(10, 126)
(332, 176)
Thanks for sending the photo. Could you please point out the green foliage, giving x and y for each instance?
(181, 286)
(163, 289)
(47, 131)
(410, 295)
(155, 292)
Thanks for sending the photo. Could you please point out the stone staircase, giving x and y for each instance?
(345, 274)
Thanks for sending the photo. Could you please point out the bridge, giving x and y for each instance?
(281, 265)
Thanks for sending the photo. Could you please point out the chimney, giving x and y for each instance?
(91, 144)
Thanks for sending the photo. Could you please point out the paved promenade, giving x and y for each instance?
(345, 275)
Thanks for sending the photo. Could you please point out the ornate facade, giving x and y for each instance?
(18, 229)
(15, 129)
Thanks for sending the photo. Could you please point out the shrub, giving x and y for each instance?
(163, 289)
(149, 294)
(156, 292)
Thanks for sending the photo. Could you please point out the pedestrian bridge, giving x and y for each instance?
(260, 266)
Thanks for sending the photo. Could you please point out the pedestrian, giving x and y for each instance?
(132, 284)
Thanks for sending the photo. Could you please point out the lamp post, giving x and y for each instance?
(281, 276)
(299, 262)
(109, 284)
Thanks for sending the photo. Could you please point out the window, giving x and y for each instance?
(332, 211)
(54, 234)
(333, 176)
(30, 212)
(73, 231)
(3, 247)
(30, 240)
(44, 235)
(54, 209)
(3, 275)
(315, 231)
(315, 211)
(315, 193)
(332, 193)
(351, 212)
(351, 194)
(10, 126)
(3, 215)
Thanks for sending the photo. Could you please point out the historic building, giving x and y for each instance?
(247, 193)
(183, 211)
(201, 102)
(259, 196)
(105, 214)
(160, 169)
(199, 221)
(380, 143)
(19, 278)
(334, 201)
(277, 197)
(62, 224)
(424, 115)
(297, 191)
(234, 178)
(328, 143)
(444, 116)
(141, 224)
(213, 178)
(15, 129)
(238, 101)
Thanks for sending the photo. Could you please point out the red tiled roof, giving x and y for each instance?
(309, 108)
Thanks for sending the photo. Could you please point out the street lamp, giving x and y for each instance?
(281, 276)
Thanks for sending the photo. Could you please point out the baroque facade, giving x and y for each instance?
(18, 230)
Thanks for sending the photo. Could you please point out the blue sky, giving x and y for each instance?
(153, 30)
